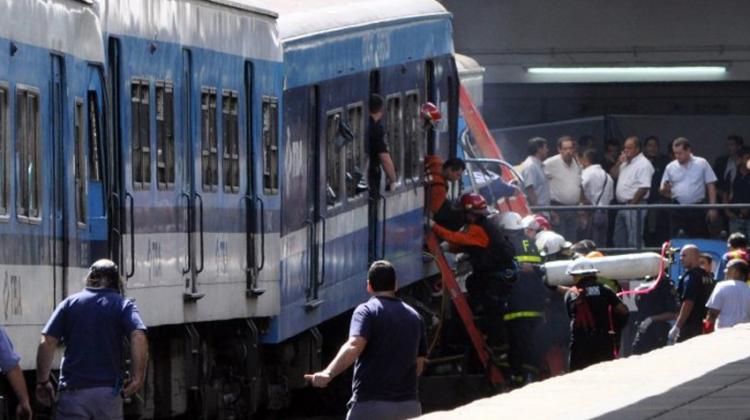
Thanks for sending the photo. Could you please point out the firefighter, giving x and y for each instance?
(656, 308)
(524, 318)
(491, 258)
(589, 305)
(438, 176)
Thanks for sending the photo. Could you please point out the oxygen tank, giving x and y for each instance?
(617, 267)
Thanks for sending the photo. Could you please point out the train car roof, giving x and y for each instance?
(238, 27)
(69, 27)
(305, 18)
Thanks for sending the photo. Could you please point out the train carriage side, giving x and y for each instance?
(53, 218)
(196, 90)
(332, 64)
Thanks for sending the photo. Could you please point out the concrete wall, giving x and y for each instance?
(506, 36)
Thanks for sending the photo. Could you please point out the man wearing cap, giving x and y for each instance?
(589, 306)
(491, 257)
(693, 288)
(729, 303)
(92, 324)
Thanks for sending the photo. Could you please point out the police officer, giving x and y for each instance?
(9, 365)
(694, 288)
(491, 258)
(526, 304)
(93, 324)
(589, 305)
(655, 309)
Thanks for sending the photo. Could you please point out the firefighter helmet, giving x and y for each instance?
(529, 222)
(474, 203)
(550, 243)
(510, 220)
(581, 267)
(430, 114)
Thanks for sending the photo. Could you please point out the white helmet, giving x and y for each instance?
(529, 222)
(550, 243)
(510, 220)
(581, 267)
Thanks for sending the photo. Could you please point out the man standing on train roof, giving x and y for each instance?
(93, 324)
(589, 305)
(693, 289)
(491, 258)
(378, 148)
(388, 348)
(9, 365)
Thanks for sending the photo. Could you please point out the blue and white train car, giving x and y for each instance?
(336, 53)
(53, 223)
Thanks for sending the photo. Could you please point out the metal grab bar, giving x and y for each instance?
(188, 230)
(310, 269)
(322, 259)
(262, 229)
(130, 274)
(248, 241)
(385, 217)
(114, 203)
(200, 220)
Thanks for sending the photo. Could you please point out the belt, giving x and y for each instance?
(522, 314)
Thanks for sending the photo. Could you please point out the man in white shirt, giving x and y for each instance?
(598, 189)
(564, 176)
(729, 303)
(633, 172)
(532, 171)
(687, 180)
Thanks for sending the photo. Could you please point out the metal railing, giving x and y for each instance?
(639, 208)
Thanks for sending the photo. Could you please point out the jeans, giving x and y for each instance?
(568, 225)
(385, 410)
(89, 404)
(626, 228)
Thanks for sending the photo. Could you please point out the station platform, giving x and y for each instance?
(707, 377)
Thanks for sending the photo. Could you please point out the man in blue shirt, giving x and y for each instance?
(92, 324)
(388, 348)
(9, 360)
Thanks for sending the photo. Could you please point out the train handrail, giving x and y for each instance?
(130, 273)
(385, 218)
(322, 279)
(310, 241)
(262, 230)
(200, 220)
(187, 230)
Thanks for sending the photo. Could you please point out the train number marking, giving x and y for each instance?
(12, 296)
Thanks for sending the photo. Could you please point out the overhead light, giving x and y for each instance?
(631, 71)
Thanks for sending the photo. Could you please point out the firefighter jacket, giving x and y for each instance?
(435, 182)
(489, 250)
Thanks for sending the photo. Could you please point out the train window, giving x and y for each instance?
(141, 165)
(355, 152)
(79, 163)
(95, 173)
(412, 144)
(270, 113)
(231, 137)
(4, 125)
(333, 159)
(28, 149)
(164, 135)
(209, 145)
(393, 132)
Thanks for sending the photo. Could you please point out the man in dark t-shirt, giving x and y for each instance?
(387, 346)
(693, 288)
(377, 148)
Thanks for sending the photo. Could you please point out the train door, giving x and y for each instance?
(375, 249)
(192, 198)
(58, 222)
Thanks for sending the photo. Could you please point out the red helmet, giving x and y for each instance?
(474, 202)
(543, 222)
(431, 114)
